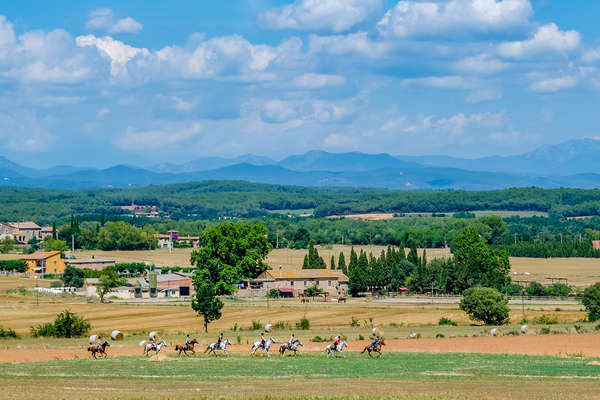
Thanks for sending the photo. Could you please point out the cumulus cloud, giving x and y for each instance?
(455, 125)
(591, 56)
(118, 52)
(554, 84)
(482, 64)
(167, 134)
(103, 19)
(333, 15)
(352, 43)
(441, 82)
(317, 81)
(547, 39)
(277, 111)
(430, 18)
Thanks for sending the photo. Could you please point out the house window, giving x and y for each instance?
(328, 283)
(305, 283)
(317, 283)
(291, 283)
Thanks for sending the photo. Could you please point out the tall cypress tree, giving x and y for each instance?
(413, 256)
(424, 259)
(342, 263)
(332, 265)
(353, 260)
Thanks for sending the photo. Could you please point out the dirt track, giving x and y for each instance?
(587, 345)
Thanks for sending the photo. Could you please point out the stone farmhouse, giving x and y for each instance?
(23, 232)
(292, 283)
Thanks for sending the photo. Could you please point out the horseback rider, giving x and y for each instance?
(154, 341)
(291, 341)
(187, 341)
(336, 342)
(374, 344)
(262, 340)
(99, 343)
(219, 340)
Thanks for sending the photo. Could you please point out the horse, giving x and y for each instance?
(212, 348)
(265, 349)
(376, 349)
(331, 349)
(99, 349)
(150, 346)
(183, 347)
(291, 347)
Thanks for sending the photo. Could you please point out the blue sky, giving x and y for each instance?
(100, 83)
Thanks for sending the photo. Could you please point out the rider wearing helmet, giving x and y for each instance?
(374, 344)
(291, 341)
(336, 342)
(187, 341)
(262, 340)
(154, 341)
(219, 340)
(99, 342)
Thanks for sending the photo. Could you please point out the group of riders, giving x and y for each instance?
(263, 341)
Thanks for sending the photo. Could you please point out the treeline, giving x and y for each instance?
(217, 199)
(538, 249)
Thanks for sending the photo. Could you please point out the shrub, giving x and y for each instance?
(545, 330)
(597, 327)
(591, 301)
(56, 284)
(485, 304)
(8, 333)
(273, 294)
(281, 325)
(303, 324)
(439, 335)
(256, 326)
(354, 323)
(318, 339)
(446, 321)
(65, 325)
(545, 320)
(361, 337)
(72, 277)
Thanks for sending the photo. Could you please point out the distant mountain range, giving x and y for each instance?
(571, 164)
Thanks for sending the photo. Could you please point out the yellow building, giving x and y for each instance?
(45, 262)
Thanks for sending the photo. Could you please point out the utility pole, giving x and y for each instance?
(515, 238)
(73, 243)
(277, 241)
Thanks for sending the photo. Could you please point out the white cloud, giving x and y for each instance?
(484, 94)
(430, 18)
(455, 125)
(54, 101)
(482, 64)
(102, 112)
(591, 56)
(277, 111)
(547, 39)
(441, 82)
(317, 81)
(554, 84)
(182, 105)
(167, 134)
(334, 15)
(103, 19)
(118, 52)
(352, 43)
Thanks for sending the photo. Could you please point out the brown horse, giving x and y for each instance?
(99, 349)
(376, 349)
(182, 347)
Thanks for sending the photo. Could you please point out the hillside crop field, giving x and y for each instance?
(406, 375)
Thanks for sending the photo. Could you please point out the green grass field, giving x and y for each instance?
(413, 375)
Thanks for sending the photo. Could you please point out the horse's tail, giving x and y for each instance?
(365, 349)
(90, 348)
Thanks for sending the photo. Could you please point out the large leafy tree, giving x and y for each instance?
(72, 277)
(123, 236)
(486, 305)
(478, 264)
(591, 301)
(108, 281)
(206, 302)
(232, 252)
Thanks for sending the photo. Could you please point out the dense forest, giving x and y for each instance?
(217, 199)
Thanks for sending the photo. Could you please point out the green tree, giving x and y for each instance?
(313, 259)
(332, 263)
(108, 281)
(353, 260)
(358, 281)
(232, 252)
(206, 302)
(478, 264)
(485, 304)
(413, 256)
(342, 263)
(7, 245)
(50, 244)
(69, 325)
(72, 277)
(591, 301)
(123, 236)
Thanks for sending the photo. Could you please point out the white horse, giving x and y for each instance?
(148, 347)
(331, 348)
(265, 349)
(291, 347)
(212, 348)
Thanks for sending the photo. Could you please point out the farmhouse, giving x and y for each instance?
(138, 210)
(23, 232)
(168, 285)
(172, 238)
(45, 262)
(292, 283)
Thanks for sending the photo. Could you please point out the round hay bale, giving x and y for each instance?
(414, 335)
(93, 339)
(374, 331)
(494, 332)
(268, 327)
(116, 335)
(152, 335)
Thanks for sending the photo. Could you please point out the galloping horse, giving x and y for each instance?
(212, 348)
(99, 349)
(331, 349)
(265, 349)
(376, 349)
(183, 347)
(150, 347)
(291, 347)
